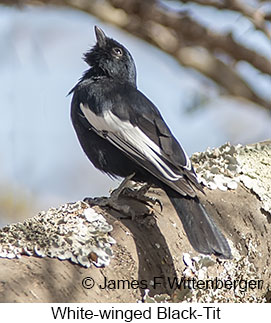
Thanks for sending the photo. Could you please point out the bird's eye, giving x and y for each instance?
(117, 51)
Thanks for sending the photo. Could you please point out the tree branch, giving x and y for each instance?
(174, 32)
(48, 262)
(258, 17)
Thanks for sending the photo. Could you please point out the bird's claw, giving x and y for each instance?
(113, 202)
(139, 195)
(108, 202)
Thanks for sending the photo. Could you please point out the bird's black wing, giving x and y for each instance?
(134, 125)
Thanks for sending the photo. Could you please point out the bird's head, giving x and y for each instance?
(110, 58)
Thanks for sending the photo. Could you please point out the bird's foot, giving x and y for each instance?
(111, 202)
(139, 194)
(124, 198)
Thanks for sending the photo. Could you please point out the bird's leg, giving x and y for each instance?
(112, 201)
(125, 191)
(119, 191)
(140, 195)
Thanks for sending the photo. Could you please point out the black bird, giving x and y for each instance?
(123, 133)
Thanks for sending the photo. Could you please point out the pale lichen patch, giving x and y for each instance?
(226, 166)
(255, 162)
(219, 167)
(236, 280)
(73, 231)
(207, 280)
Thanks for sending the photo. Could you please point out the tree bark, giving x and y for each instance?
(155, 245)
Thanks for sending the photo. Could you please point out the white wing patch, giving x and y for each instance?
(136, 142)
(188, 165)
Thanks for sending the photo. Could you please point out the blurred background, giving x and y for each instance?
(204, 63)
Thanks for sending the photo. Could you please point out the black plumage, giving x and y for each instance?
(122, 132)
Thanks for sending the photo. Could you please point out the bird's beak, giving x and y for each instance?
(100, 36)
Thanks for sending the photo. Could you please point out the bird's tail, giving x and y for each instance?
(201, 230)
